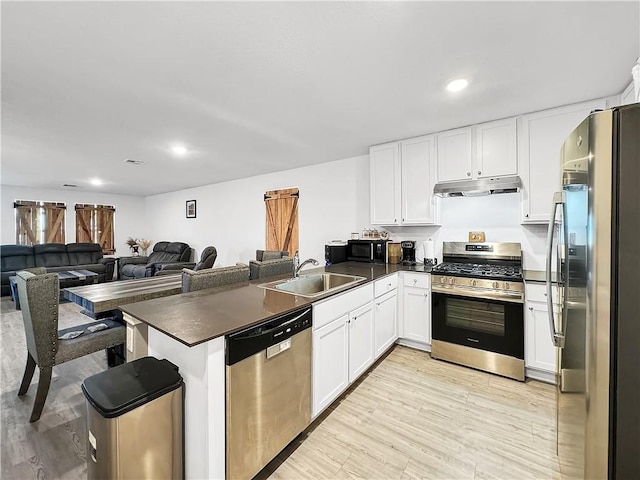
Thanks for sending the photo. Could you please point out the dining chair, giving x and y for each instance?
(193, 281)
(40, 297)
(270, 263)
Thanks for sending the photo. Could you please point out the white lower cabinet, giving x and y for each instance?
(385, 322)
(342, 344)
(330, 363)
(539, 351)
(416, 308)
(360, 341)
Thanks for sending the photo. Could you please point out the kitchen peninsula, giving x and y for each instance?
(189, 330)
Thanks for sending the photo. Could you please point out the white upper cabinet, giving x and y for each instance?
(402, 180)
(539, 141)
(627, 96)
(496, 151)
(455, 151)
(480, 151)
(384, 163)
(418, 165)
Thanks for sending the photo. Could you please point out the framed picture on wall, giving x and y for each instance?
(191, 209)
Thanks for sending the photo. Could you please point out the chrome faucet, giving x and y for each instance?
(297, 265)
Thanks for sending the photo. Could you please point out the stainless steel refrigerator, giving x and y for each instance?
(593, 272)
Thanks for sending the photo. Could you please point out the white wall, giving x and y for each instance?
(129, 219)
(334, 201)
(496, 215)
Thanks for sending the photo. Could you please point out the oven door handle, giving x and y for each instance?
(556, 337)
(480, 293)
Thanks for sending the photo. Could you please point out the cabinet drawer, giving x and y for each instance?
(386, 284)
(333, 307)
(420, 280)
(537, 292)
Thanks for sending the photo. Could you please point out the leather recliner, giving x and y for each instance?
(164, 253)
(207, 259)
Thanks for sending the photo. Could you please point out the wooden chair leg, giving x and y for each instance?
(28, 375)
(41, 395)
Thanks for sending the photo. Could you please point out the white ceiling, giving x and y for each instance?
(261, 87)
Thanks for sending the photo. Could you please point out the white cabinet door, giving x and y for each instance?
(416, 314)
(418, 165)
(539, 350)
(384, 163)
(455, 155)
(386, 322)
(496, 151)
(360, 340)
(330, 363)
(539, 140)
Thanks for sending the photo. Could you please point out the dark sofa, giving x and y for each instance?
(55, 257)
(164, 254)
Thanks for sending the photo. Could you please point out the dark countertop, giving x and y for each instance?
(197, 317)
(537, 276)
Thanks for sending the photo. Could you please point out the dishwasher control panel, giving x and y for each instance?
(247, 342)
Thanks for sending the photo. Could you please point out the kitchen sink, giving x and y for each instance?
(313, 285)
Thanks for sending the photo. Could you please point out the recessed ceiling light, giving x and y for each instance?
(179, 150)
(96, 182)
(457, 85)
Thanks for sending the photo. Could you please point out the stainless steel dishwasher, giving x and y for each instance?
(268, 374)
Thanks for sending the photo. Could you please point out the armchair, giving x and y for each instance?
(40, 295)
(269, 263)
(207, 259)
(163, 253)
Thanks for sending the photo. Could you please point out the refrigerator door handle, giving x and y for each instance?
(556, 337)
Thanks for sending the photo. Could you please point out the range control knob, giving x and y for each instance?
(506, 286)
(495, 285)
(473, 283)
(443, 280)
(452, 280)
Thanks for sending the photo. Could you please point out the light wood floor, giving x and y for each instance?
(410, 417)
(54, 446)
(413, 417)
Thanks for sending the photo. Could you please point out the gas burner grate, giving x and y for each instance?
(479, 270)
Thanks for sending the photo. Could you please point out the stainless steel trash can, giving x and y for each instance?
(135, 424)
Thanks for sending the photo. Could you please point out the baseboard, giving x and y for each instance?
(541, 375)
(413, 344)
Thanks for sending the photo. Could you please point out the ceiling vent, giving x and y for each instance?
(70, 185)
(131, 161)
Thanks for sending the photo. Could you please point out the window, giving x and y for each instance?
(94, 223)
(282, 219)
(39, 222)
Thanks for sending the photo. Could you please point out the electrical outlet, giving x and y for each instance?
(476, 236)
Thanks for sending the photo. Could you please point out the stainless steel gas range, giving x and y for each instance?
(478, 307)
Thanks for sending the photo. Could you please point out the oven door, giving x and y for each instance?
(488, 324)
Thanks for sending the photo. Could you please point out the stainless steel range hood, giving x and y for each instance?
(479, 187)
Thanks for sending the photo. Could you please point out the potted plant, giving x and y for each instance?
(133, 245)
(144, 245)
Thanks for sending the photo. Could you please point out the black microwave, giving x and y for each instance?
(371, 251)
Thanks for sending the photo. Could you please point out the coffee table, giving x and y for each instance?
(68, 278)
